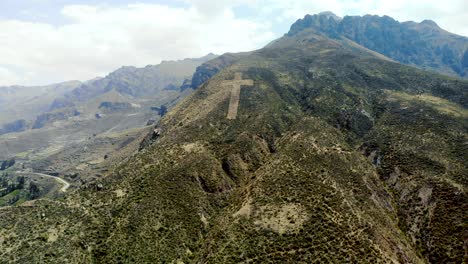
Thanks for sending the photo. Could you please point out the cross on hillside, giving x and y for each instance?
(235, 93)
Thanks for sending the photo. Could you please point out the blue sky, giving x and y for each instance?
(47, 41)
(48, 11)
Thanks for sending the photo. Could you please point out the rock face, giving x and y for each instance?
(424, 44)
(187, 84)
(207, 70)
(162, 110)
(202, 74)
(15, 126)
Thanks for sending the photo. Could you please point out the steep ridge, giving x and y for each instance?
(424, 45)
(335, 155)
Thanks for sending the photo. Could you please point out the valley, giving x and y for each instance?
(83, 129)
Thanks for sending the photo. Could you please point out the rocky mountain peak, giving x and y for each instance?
(430, 23)
(329, 14)
(325, 21)
(423, 44)
(124, 70)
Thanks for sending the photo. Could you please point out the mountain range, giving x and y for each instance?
(127, 82)
(424, 44)
(67, 129)
(326, 145)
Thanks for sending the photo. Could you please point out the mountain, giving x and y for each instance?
(138, 89)
(27, 102)
(149, 81)
(208, 69)
(424, 45)
(15, 126)
(67, 129)
(26, 108)
(312, 149)
(24, 103)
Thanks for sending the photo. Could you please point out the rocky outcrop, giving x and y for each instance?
(162, 110)
(358, 122)
(424, 44)
(326, 23)
(150, 138)
(208, 69)
(187, 84)
(202, 74)
(151, 122)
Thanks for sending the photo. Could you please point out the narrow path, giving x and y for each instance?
(66, 184)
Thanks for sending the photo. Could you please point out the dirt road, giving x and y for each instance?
(66, 184)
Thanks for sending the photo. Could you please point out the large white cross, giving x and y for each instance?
(235, 93)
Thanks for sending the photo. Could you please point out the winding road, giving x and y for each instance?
(66, 184)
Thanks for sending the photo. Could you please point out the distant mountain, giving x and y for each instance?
(15, 126)
(146, 82)
(314, 149)
(424, 44)
(37, 123)
(74, 130)
(25, 103)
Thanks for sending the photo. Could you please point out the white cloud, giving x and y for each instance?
(101, 38)
(6, 74)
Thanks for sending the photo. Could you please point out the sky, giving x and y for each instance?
(50, 41)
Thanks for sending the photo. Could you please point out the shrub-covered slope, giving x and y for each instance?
(336, 156)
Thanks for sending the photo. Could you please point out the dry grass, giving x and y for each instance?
(442, 105)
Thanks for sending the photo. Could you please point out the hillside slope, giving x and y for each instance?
(74, 130)
(334, 155)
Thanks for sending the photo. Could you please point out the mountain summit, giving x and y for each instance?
(424, 44)
(313, 149)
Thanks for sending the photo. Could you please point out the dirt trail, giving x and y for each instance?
(66, 184)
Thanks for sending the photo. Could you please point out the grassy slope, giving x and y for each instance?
(330, 159)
